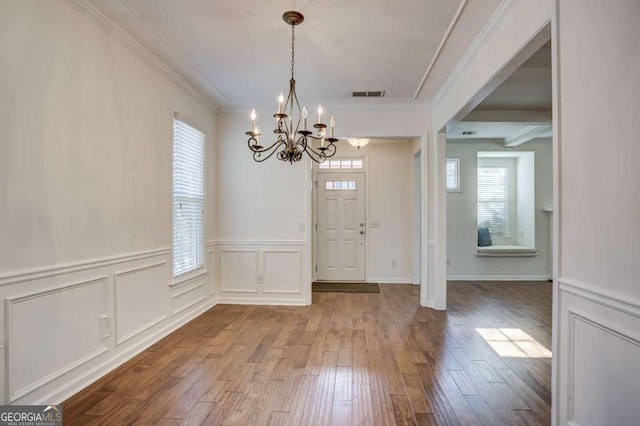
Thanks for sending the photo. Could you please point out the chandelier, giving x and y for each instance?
(292, 139)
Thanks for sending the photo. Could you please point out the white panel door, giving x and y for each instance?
(341, 228)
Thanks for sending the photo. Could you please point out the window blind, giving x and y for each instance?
(188, 198)
(493, 200)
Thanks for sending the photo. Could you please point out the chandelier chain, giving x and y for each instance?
(293, 45)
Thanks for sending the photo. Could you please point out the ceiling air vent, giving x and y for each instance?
(377, 94)
(469, 132)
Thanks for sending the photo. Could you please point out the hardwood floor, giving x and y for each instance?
(361, 359)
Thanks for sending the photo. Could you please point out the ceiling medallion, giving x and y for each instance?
(293, 136)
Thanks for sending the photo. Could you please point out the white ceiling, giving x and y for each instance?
(528, 88)
(518, 110)
(238, 52)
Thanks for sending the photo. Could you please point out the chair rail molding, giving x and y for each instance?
(83, 265)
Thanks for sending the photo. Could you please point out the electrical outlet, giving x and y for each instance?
(301, 226)
(393, 263)
(259, 279)
(448, 262)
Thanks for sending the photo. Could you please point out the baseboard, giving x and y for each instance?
(116, 361)
(390, 280)
(261, 301)
(497, 278)
(432, 305)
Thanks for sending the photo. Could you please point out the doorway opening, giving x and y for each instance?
(364, 214)
(499, 181)
(499, 202)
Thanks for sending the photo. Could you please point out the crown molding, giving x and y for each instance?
(197, 90)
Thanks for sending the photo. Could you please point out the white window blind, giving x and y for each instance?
(188, 198)
(493, 199)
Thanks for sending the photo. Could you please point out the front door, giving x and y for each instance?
(341, 227)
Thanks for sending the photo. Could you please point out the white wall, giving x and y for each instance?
(389, 202)
(462, 226)
(262, 240)
(265, 205)
(599, 205)
(527, 213)
(85, 190)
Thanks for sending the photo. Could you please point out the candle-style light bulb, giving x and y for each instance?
(280, 101)
(304, 117)
(319, 113)
(332, 124)
(253, 120)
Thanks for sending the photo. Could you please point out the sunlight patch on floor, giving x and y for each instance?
(513, 343)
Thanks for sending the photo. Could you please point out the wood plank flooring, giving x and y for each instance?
(348, 359)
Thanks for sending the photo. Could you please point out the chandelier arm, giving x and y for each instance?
(257, 153)
(321, 155)
(255, 146)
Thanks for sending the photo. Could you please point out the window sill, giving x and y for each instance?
(506, 251)
(189, 276)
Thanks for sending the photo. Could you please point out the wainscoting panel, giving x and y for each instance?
(261, 272)
(64, 326)
(599, 350)
(49, 333)
(141, 299)
(281, 271)
(188, 295)
(239, 270)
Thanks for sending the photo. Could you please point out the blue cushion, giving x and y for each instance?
(484, 237)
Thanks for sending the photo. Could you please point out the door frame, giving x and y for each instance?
(314, 207)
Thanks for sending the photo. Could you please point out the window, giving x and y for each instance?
(340, 185)
(496, 197)
(188, 198)
(453, 174)
(341, 164)
(506, 202)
